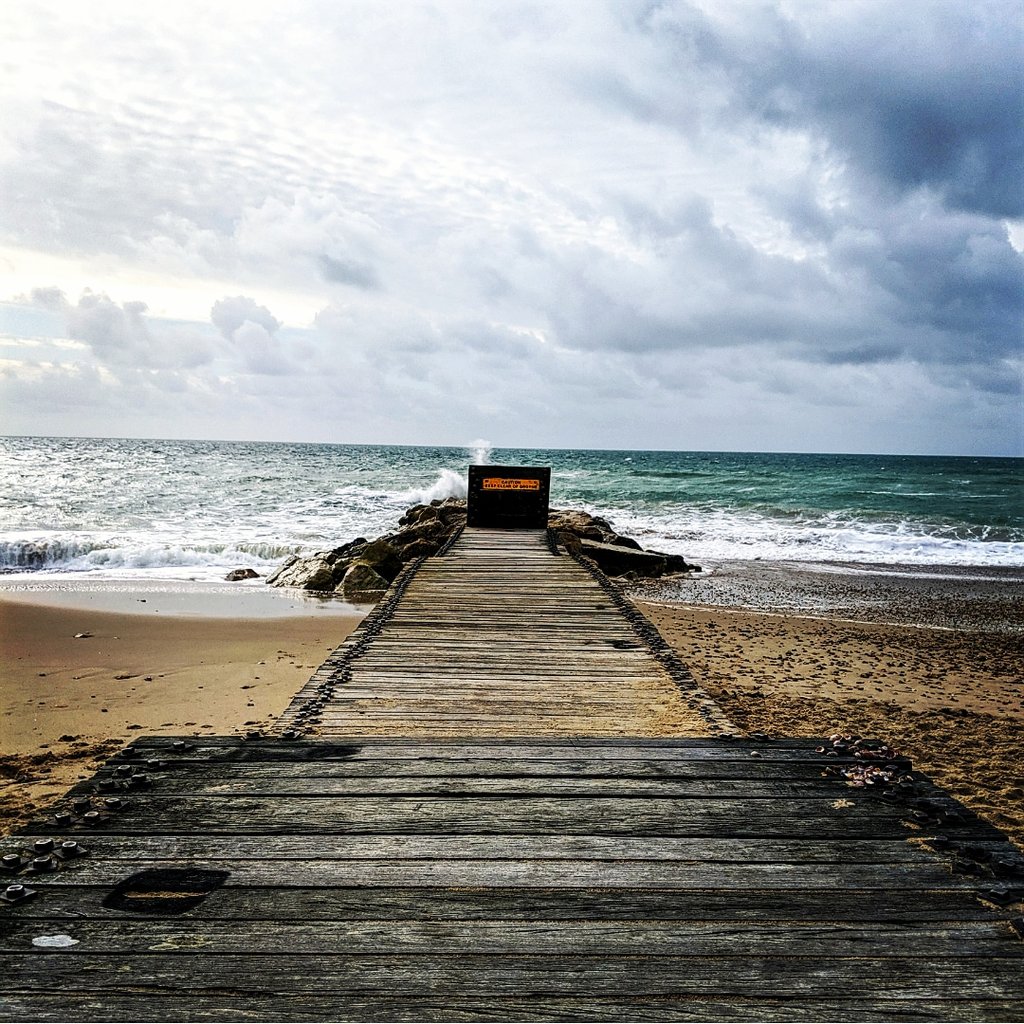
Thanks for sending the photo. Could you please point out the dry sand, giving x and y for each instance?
(66, 703)
(953, 701)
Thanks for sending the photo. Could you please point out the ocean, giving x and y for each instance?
(191, 510)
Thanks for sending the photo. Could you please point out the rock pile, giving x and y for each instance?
(616, 555)
(362, 570)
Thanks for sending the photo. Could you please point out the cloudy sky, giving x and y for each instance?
(786, 225)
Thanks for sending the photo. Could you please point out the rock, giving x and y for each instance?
(313, 573)
(276, 574)
(582, 524)
(362, 584)
(624, 542)
(242, 574)
(382, 557)
(418, 549)
(581, 533)
(617, 561)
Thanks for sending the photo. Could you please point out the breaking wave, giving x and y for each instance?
(86, 554)
(449, 484)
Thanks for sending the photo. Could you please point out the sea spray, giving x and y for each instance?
(480, 452)
(449, 484)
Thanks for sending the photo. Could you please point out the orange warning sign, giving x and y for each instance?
(504, 483)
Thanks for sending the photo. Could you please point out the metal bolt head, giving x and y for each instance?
(43, 846)
(44, 863)
(16, 893)
(81, 805)
(62, 818)
(11, 862)
(124, 769)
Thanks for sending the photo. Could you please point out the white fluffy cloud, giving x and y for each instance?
(677, 225)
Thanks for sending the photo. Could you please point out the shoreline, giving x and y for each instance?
(248, 599)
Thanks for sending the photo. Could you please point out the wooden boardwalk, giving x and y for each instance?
(502, 636)
(512, 856)
(509, 880)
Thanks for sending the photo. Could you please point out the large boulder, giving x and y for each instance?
(382, 557)
(362, 584)
(615, 560)
(313, 573)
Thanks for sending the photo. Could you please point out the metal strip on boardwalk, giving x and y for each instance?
(502, 636)
(471, 879)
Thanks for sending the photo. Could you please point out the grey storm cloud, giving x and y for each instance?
(930, 93)
(451, 206)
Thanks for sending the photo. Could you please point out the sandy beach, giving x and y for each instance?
(80, 683)
(933, 665)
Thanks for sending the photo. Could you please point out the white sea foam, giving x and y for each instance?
(726, 535)
(450, 483)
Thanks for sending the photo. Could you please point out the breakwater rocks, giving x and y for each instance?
(361, 570)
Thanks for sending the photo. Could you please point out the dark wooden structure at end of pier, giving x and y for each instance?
(545, 879)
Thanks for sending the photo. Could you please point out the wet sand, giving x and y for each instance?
(67, 702)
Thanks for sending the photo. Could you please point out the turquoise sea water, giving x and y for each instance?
(189, 509)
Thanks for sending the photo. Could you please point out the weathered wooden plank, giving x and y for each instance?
(457, 1007)
(453, 846)
(886, 977)
(330, 903)
(496, 872)
(297, 785)
(636, 747)
(489, 768)
(520, 815)
(536, 938)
